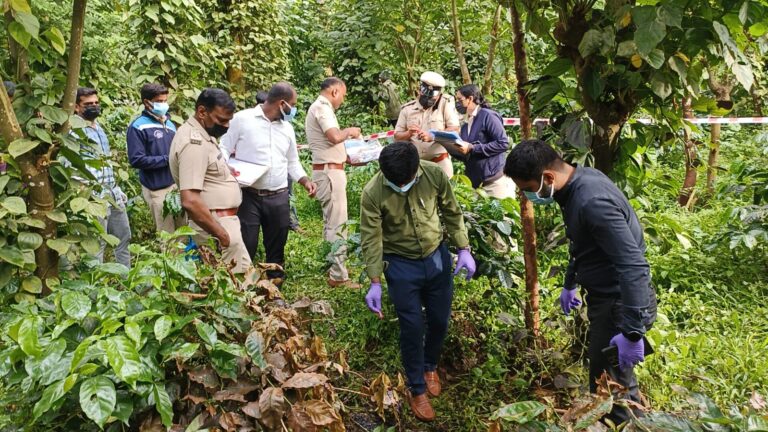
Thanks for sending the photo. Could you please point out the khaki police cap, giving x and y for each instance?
(433, 79)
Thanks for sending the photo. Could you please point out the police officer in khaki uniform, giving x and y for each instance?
(326, 141)
(432, 110)
(209, 192)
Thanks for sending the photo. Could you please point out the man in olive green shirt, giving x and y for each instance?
(389, 95)
(402, 237)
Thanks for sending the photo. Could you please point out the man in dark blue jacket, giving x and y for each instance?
(607, 259)
(149, 141)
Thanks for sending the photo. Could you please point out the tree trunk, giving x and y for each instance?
(757, 102)
(526, 207)
(17, 53)
(605, 145)
(73, 60)
(235, 73)
(714, 152)
(691, 160)
(488, 75)
(10, 130)
(458, 46)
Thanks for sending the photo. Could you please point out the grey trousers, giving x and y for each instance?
(116, 224)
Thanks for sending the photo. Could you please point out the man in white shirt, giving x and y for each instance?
(264, 135)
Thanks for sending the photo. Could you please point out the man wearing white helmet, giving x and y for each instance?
(432, 110)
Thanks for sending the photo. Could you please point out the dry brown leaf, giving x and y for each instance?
(252, 410)
(300, 421)
(317, 349)
(230, 421)
(272, 406)
(206, 376)
(321, 307)
(197, 400)
(223, 395)
(303, 303)
(494, 427)
(304, 380)
(152, 424)
(270, 290)
(321, 412)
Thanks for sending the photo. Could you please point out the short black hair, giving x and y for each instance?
(529, 159)
(150, 91)
(211, 98)
(280, 91)
(10, 88)
(83, 92)
(261, 97)
(330, 82)
(399, 162)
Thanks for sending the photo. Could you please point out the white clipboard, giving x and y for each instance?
(249, 172)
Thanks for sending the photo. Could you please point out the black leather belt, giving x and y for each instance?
(266, 192)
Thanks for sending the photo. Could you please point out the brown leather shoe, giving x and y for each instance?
(345, 284)
(433, 383)
(422, 408)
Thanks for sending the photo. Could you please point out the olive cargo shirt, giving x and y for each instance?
(408, 224)
(320, 118)
(197, 164)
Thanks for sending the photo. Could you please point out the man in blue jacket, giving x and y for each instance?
(607, 259)
(149, 141)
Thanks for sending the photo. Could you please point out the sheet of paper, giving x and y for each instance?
(450, 140)
(249, 172)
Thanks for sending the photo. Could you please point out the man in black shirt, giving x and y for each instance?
(607, 258)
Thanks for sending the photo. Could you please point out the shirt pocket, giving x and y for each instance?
(216, 165)
(437, 122)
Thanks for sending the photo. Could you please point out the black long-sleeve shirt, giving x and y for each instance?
(606, 245)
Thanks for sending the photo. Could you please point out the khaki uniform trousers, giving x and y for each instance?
(155, 200)
(501, 188)
(446, 165)
(236, 251)
(332, 194)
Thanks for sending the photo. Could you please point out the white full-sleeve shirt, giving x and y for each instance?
(253, 138)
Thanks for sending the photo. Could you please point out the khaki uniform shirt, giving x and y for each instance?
(197, 164)
(321, 118)
(409, 224)
(440, 117)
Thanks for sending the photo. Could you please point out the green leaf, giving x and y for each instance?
(163, 326)
(59, 245)
(75, 304)
(29, 22)
(91, 245)
(670, 15)
(29, 240)
(57, 216)
(56, 38)
(4, 179)
(20, 6)
(133, 330)
(626, 49)
(32, 285)
(592, 42)
(77, 122)
(125, 360)
(593, 83)
(163, 404)
(546, 91)
(254, 344)
(519, 412)
(661, 85)
(22, 146)
(98, 398)
(14, 205)
(743, 75)
(51, 394)
(78, 204)
(123, 410)
(207, 333)
(648, 35)
(18, 33)
(558, 67)
(184, 352)
(60, 327)
(12, 255)
(678, 65)
(655, 58)
(744, 12)
(28, 336)
(53, 114)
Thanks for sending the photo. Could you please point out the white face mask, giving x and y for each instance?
(401, 189)
(536, 198)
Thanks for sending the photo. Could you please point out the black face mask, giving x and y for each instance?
(461, 108)
(427, 102)
(91, 112)
(217, 130)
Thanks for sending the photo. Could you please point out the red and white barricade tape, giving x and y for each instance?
(515, 121)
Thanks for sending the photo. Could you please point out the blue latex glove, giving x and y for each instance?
(568, 300)
(373, 299)
(630, 353)
(465, 262)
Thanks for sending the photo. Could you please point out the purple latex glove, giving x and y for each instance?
(373, 299)
(568, 300)
(465, 262)
(630, 353)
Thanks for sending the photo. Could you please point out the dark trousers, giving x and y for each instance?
(392, 122)
(605, 317)
(270, 214)
(413, 284)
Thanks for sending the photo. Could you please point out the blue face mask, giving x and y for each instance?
(289, 116)
(535, 198)
(160, 109)
(401, 189)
